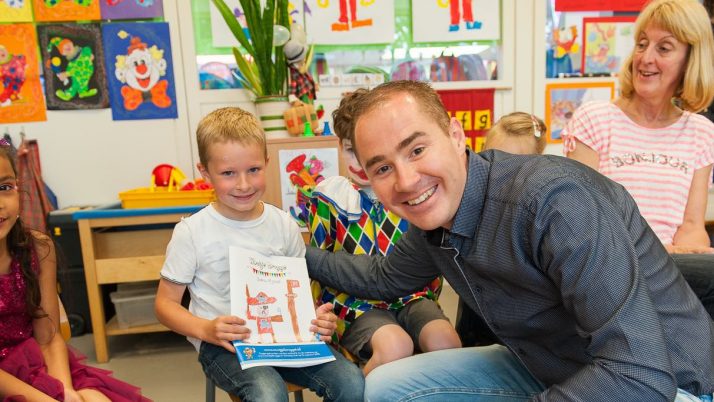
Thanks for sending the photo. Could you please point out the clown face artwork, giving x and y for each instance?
(141, 70)
(142, 86)
(12, 76)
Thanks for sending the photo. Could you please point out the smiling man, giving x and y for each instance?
(553, 256)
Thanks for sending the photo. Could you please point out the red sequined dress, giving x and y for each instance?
(20, 354)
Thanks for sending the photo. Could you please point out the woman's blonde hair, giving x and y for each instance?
(520, 126)
(688, 21)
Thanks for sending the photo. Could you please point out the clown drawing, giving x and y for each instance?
(141, 70)
(78, 71)
(12, 74)
(456, 15)
(348, 15)
(83, 3)
(260, 310)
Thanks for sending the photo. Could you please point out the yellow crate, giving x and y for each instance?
(144, 197)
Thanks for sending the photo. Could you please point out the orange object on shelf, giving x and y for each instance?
(146, 197)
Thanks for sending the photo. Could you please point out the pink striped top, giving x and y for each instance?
(655, 165)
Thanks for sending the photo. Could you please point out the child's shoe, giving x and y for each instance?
(453, 28)
(473, 24)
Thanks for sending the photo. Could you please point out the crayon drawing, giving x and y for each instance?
(455, 20)
(15, 11)
(66, 10)
(131, 9)
(607, 42)
(21, 97)
(349, 22)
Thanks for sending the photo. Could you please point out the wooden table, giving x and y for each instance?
(123, 245)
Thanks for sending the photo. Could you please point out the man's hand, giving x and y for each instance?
(689, 249)
(325, 323)
(224, 329)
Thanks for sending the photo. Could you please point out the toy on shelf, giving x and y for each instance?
(168, 189)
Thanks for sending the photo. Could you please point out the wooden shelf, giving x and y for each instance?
(112, 327)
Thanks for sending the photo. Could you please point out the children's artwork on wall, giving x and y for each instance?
(141, 78)
(561, 100)
(223, 37)
(73, 63)
(131, 9)
(21, 97)
(65, 10)
(15, 11)
(455, 20)
(607, 42)
(300, 171)
(349, 22)
(474, 109)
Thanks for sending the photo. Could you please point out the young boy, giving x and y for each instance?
(233, 157)
(345, 215)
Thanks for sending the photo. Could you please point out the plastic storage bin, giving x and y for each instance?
(134, 307)
(160, 197)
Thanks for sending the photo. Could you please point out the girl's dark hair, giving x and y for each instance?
(20, 244)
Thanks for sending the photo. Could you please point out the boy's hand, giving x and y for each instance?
(325, 323)
(224, 329)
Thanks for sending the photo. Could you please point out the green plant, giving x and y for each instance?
(262, 65)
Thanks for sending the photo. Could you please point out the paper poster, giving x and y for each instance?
(15, 11)
(131, 9)
(455, 20)
(300, 171)
(562, 99)
(73, 63)
(474, 109)
(272, 294)
(141, 78)
(66, 10)
(21, 97)
(349, 22)
(223, 37)
(607, 42)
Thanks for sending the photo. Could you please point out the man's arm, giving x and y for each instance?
(587, 251)
(407, 269)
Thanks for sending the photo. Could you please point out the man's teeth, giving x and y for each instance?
(422, 197)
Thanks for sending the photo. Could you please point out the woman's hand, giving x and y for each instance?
(688, 249)
(325, 323)
(224, 329)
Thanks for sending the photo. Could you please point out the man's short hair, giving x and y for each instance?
(228, 124)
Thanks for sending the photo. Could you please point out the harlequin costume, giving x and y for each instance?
(12, 72)
(343, 217)
(20, 354)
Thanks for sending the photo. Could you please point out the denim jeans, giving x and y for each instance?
(339, 380)
(698, 271)
(490, 373)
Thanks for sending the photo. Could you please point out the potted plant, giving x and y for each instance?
(260, 59)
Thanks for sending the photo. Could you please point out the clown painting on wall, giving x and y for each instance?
(141, 82)
(21, 97)
(73, 63)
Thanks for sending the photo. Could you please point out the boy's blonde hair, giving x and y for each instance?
(519, 126)
(229, 124)
(688, 21)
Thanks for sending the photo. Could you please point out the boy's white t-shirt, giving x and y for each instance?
(197, 255)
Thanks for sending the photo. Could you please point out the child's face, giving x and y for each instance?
(356, 173)
(9, 198)
(237, 173)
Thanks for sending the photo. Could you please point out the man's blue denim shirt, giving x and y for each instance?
(562, 267)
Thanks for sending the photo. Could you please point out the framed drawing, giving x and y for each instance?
(20, 88)
(607, 41)
(561, 100)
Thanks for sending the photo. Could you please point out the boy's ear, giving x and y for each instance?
(203, 171)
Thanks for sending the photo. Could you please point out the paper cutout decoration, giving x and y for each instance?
(455, 20)
(607, 42)
(15, 11)
(73, 62)
(349, 22)
(131, 9)
(562, 99)
(66, 10)
(141, 82)
(21, 97)
(300, 171)
(474, 109)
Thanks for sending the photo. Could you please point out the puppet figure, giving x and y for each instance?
(79, 69)
(12, 74)
(302, 86)
(141, 70)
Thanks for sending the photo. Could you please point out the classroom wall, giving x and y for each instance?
(87, 158)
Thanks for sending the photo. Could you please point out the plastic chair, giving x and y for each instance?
(211, 391)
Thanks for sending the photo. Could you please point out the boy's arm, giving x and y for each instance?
(219, 331)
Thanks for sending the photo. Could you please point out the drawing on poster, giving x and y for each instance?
(349, 22)
(562, 99)
(455, 20)
(66, 10)
(15, 11)
(607, 42)
(21, 97)
(131, 9)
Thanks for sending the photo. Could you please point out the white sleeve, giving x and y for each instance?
(294, 243)
(181, 261)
